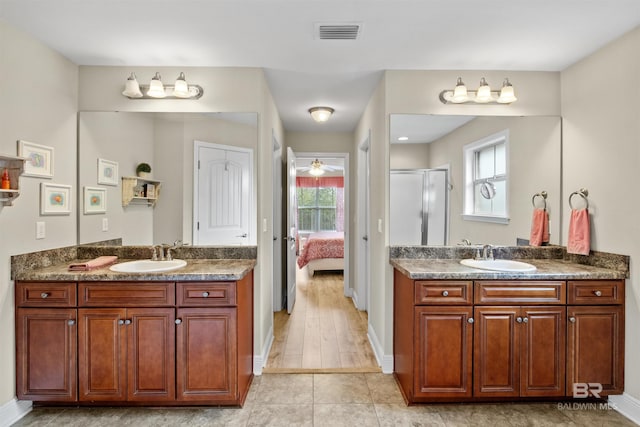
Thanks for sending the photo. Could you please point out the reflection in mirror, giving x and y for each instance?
(166, 142)
(533, 165)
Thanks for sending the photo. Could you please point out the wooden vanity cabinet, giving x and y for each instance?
(595, 336)
(46, 337)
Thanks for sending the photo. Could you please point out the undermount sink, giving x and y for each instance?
(148, 266)
(499, 265)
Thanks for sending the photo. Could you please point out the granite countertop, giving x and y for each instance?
(195, 270)
(547, 269)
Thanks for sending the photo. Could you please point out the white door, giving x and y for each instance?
(362, 286)
(406, 213)
(278, 257)
(223, 195)
(437, 207)
(292, 229)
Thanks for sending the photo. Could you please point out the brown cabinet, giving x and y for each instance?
(504, 339)
(135, 342)
(126, 354)
(595, 337)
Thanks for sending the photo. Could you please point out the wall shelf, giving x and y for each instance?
(136, 190)
(15, 167)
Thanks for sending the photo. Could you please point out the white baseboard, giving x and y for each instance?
(260, 360)
(13, 410)
(385, 361)
(627, 405)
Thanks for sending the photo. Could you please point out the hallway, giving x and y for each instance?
(325, 332)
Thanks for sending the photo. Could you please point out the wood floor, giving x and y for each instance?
(325, 332)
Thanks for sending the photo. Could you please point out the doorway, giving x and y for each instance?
(324, 330)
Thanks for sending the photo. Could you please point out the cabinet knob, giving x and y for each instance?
(597, 293)
(519, 319)
(205, 294)
(44, 295)
(470, 320)
(178, 321)
(445, 293)
(71, 322)
(572, 319)
(525, 320)
(127, 322)
(120, 322)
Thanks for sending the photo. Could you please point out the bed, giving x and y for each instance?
(323, 251)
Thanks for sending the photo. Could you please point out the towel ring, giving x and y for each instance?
(583, 192)
(542, 194)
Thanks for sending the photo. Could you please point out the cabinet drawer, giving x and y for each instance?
(596, 292)
(443, 292)
(521, 292)
(46, 294)
(126, 294)
(206, 294)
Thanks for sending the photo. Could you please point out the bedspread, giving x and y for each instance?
(325, 244)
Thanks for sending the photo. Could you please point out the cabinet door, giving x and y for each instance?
(46, 354)
(151, 354)
(443, 355)
(595, 349)
(496, 352)
(102, 354)
(542, 351)
(207, 354)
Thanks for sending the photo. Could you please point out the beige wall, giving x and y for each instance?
(408, 156)
(38, 103)
(601, 152)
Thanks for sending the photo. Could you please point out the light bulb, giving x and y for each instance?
(132, 88)
(484, 92)
(181, 88)
(507, 94)
(460, 94)
(156, 88)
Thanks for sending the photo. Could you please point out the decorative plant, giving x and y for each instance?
(143, 168)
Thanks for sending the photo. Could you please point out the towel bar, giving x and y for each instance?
(542, 194)
(583, 192)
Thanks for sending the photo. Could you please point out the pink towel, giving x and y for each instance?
(101, 261)
(579, 233)
(539, 227)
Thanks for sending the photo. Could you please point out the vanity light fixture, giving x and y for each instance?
(321, 114)
(157, 90)
(483, 95)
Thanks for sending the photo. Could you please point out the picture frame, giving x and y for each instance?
(95, 200)
(55, 199)
(39, 159)
(107, 172)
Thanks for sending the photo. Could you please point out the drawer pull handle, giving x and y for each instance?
(120, 322)
(525, 320)
(44, 295)
(178, 321)
(127, 322)
(470, 320)
(71, 322)
(205, 294)
(572, 319)
(445, 293)
(598, 293)
(519, 319)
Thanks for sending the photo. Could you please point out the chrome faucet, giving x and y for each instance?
(157, 253)
(487, 252)
(176, 244)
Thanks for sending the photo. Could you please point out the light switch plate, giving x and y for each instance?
(105, 224)
(379, 225)
(40, 230)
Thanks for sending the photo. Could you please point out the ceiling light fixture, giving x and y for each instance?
(321, 114)
(484, 94)
(403, 138)
(157, 90)
(316, 168)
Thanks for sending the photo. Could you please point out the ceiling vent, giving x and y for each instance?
(343, 31)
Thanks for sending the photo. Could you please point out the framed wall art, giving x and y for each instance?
(107, 172)
(39, 159)
(95, 200)
(55, 199)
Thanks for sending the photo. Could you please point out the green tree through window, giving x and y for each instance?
(317, 208)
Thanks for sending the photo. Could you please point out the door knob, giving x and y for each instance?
(243, 235)
(178, 321)
(598, 293)
(572, 319)
(71, 322)
(445, 293)
(470, 320)
(44, 295)
(365, 238)
(519, 319)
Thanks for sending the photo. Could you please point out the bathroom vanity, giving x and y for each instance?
(102, 337)
(463, 334)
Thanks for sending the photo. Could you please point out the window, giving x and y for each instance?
(486, 179)
(317, 208)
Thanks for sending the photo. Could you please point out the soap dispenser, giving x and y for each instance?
(6, 181)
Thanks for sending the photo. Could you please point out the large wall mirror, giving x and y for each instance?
(533, 159)
(165, 141)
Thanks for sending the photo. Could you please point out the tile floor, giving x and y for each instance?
(368, 399)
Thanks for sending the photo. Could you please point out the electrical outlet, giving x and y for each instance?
(105, 224)
(40, 230)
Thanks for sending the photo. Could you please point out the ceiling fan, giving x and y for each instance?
(317, 168)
